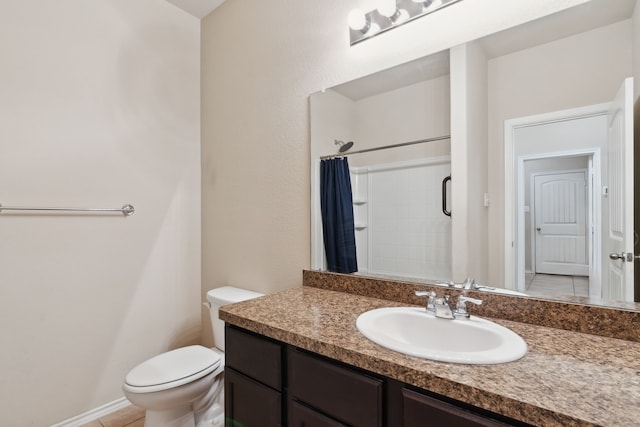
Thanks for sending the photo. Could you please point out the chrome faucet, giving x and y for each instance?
(441, 307)
(469, 283)
(461, 305)
(431, 297)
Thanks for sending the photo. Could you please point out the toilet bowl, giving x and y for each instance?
(185, 387)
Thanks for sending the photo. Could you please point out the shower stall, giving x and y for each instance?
(401, 226)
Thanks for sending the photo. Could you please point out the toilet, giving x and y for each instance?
(185, 387)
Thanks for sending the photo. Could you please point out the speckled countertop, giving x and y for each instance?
(566, 378)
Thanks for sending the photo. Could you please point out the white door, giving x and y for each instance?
(561, 224)
(619, 263)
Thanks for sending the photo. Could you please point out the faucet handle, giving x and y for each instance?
(425, 294)
(448, 284)
(430, 294)
(461, 305)
(464, 299)
(468, 283)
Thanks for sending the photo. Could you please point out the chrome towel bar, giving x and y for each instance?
(126, 210)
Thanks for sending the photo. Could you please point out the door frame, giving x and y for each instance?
(589, 226)
(514, 198)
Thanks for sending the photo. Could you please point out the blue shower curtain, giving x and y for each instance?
(336, 204)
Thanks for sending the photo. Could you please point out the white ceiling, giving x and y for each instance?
(197, 8)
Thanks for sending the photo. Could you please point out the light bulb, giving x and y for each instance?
(387, 8)
(429, 3)
(357, 20)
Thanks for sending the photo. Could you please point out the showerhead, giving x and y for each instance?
(344, 146)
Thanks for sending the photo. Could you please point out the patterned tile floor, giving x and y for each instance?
(552, 284)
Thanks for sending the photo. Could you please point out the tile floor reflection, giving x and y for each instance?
(554, 284)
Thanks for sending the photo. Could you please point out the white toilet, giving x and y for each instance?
(185, 387)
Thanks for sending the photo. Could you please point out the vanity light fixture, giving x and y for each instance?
(389, 9)
(360, 23)
(426, 4)
(390, 14)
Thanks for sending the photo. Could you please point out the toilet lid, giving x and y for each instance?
(173, 368)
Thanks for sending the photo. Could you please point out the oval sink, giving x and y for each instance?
(416, 332)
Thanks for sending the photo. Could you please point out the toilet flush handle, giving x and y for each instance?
(207, 304)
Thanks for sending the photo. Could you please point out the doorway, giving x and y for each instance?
(578, 136)
(558, 215)
(600, 130)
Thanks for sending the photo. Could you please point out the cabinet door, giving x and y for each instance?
(301, 416)
(342, 393)
(423, 411)
(255, 356)
(249, 403)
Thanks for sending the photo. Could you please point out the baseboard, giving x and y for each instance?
(94, 414)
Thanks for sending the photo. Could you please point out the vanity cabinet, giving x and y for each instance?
(252, 380)
(419, 409)
(269, 383)
(336, 394)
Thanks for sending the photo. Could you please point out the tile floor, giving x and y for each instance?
(131, 416)
(551, 284)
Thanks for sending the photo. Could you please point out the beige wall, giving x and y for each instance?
(99, 107)
(544, 79)
(409, 113)
(260, 62)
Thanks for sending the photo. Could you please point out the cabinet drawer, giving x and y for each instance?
(344, 394)
(420, 410)
(254, 356)
(249, 403)
(301, 416)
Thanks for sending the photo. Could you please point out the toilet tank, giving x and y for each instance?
(221, 296)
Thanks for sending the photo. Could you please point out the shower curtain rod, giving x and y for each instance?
(403, 144)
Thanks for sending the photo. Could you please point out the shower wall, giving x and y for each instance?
(400, 227)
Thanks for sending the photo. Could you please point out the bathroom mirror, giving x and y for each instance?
(563, 68)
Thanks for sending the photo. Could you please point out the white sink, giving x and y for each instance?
(416, 332)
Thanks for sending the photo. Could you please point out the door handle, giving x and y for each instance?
(444, 196)
(624, 256)
(621, 256)
(539, 229)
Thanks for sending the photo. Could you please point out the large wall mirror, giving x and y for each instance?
(501, 159)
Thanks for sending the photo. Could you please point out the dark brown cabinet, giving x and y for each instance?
(302, 416)
(269, 383)
(420, 410)
(253, 380)
(347, 396)
(249, 403)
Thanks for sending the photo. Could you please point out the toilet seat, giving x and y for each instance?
(172, 369)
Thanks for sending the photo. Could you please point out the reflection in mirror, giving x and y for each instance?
(399, 122)
(571, 62)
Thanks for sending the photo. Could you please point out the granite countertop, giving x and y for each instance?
(565, 379)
